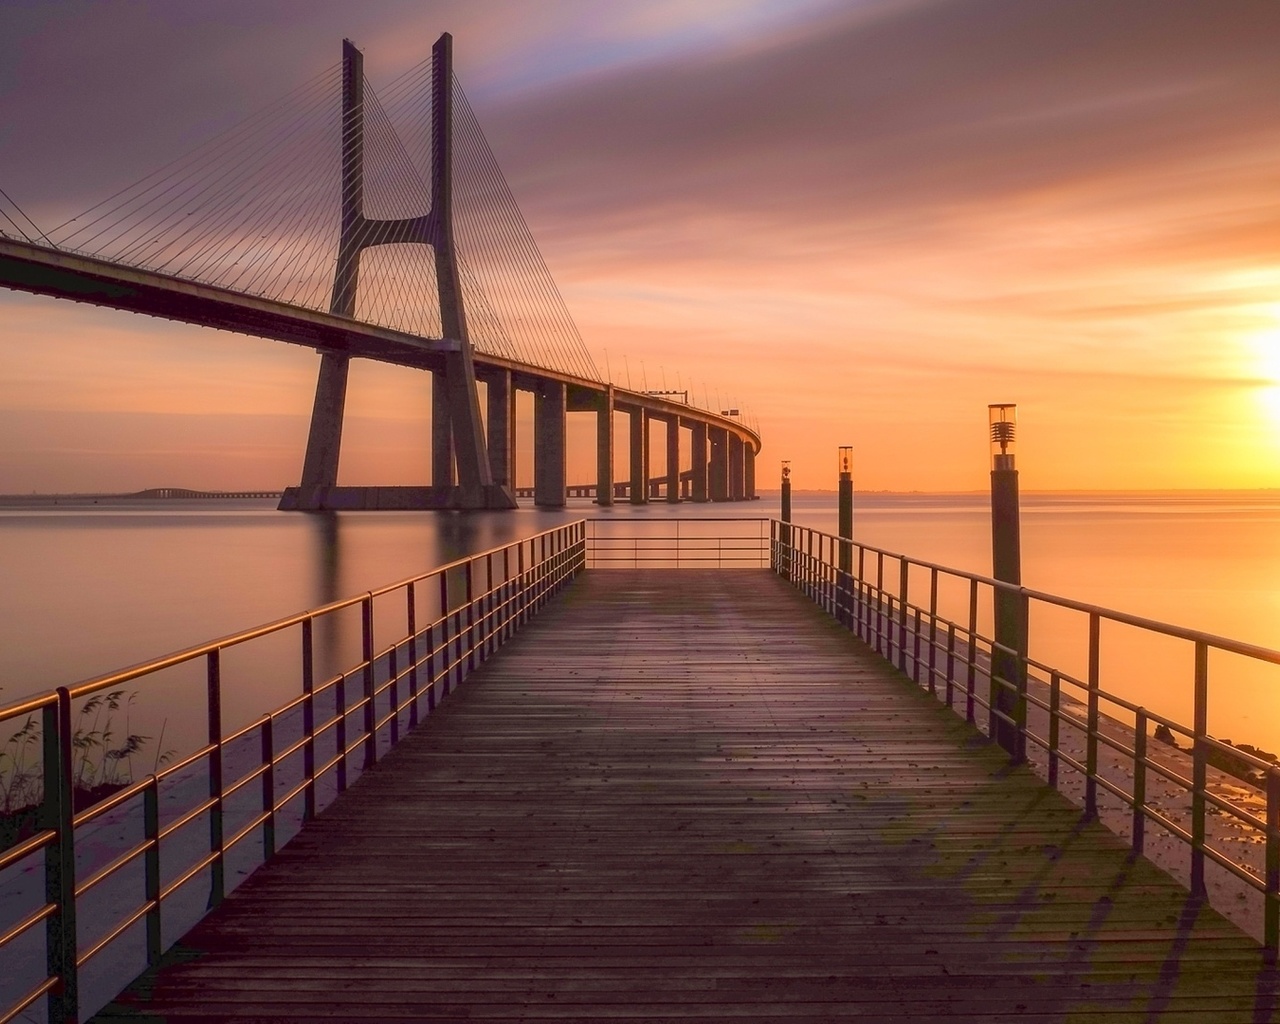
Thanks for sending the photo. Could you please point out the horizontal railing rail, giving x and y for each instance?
(713, 542)
(892, 602)
(240, 783)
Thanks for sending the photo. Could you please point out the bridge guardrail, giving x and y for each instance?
(245, 786)
(713, 542)
(1062, 721)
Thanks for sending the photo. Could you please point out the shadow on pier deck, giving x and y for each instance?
(693, 797)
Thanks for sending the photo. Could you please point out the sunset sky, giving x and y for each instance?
(862, 221)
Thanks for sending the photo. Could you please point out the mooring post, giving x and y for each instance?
(1008, 668)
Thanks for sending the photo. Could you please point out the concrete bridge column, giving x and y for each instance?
(442, 473)
(673, 459)
(502, 427)
(324, 442)
(718, 484)
(604, 448)
(550, 482)
(749, 470)
(698, 446)
(735, 467)
(639, 457)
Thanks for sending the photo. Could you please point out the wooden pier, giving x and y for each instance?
(692, 797)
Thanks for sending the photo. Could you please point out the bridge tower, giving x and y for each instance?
(458, 437)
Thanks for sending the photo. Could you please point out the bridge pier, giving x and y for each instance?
(604, 448)
(324, 440)
(550, 483)
(735, 467)
(501, 414)
(639, 456)
(749, 471)
(698, 448)
(673, 459)
(718, 482)
(442, 468)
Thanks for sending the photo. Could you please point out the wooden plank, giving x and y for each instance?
(689, 796)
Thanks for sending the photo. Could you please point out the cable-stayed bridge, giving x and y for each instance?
(380, 227)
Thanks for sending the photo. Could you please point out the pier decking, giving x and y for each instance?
(690, 796)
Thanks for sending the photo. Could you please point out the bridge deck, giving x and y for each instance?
(692, 798)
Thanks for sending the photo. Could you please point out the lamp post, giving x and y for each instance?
(846, 507)
(786, 491)
(1008, 665)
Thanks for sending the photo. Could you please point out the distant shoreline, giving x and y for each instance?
(189, 494)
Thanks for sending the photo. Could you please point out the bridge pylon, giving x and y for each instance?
(458, 442)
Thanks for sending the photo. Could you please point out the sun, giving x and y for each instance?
(1265, 357)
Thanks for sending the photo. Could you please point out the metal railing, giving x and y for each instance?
(303, 752)
(722, 542)
(892, 603)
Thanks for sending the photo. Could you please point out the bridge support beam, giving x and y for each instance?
(673, 459)
(639, 456)
(749, 471)
(324, 441)
(718, 484)
(736, 448)
(550, 482)
(604, 448)
(501, 408)
(698, 449)
(442, 471)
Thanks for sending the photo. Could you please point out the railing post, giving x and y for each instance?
(218, 868)
(471, 615)
(1139, 779)
(446, 669)
(308, 720)
(859, 610)
(904, 576)
(881, 649)
(151, 869)
(915, 647)
(366, 654)
(1199, 768)
(1022, 652)
(340, 729)
(933, 631)
(411, 622)
(951, 665)
(508, 593)
(1271, 895)
(520, 596)
(1055, 710)
(431, 667)
(393, 693)
(268, 788)
(971, 682)
(1091, 721)
(57, 811)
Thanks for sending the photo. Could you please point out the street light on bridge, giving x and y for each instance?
(846, 506)
(1008, 665)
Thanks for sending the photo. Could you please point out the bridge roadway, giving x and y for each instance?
(721, 448)
(695, 798)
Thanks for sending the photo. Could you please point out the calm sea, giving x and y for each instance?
(91, 588)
